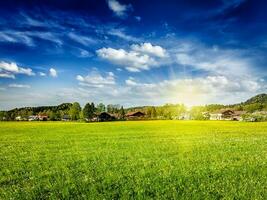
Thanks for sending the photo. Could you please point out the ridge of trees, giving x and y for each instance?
(73, 111)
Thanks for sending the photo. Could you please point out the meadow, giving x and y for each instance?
(133, 160)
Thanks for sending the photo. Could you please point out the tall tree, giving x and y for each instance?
(2, 115)
(122, 113)
(113, 108)
(153, 113)
(75, 111)
(93, 107)
(88, 111)
(101, 107)
(149, 112)
(52, 115)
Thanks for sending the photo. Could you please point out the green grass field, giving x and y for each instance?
(133, 160)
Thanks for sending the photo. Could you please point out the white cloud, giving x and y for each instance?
(119, 33)
(141, 57)
(85, 54)
(81, 39)
(193, 91)
(148, 48)
(52, 72)
(120, 10)
(4, 37)
(16, 37)
(214, 60)
(45, 36)
(19, 86)
(95, 79)
(42, 74)
(131, 82)
(7, 75)
(9, 70)
(27, 37)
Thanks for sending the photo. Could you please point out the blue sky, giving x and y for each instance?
(132, 52)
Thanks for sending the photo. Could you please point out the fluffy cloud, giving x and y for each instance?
(119, 10)
(19, 86)
(52, 72)
(148, 48)
(133, 61)
(141, 57)
(9, 70)
(194, 91)
(95, 79)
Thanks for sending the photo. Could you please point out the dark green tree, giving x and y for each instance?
(88, 111)
(122, 113)
(153, 113)
(2, 115)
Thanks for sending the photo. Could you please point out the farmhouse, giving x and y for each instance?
(227, 114)
(33, 118)
(104, 116)
(135, 115)
(183, 116)
(18, 118)
(237, 116)
(43, 117)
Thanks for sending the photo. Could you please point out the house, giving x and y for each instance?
(42, 117)
(135, 115)
(18, 118)
(104, 116)
(237, 116)
(216, 116)
(33, 118)
(183, 116)
(227, 114)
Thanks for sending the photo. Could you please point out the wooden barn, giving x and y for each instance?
(135, 115)
(104, 116)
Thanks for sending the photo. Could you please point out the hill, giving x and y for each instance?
(260, 98)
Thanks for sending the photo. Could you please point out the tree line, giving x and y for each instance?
(74, 111)
(69, 111)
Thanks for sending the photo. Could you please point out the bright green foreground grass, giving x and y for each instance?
(138, 160)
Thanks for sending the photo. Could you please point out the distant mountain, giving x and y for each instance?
(260, 98)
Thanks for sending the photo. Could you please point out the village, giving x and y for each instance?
(253, 110)
(98, 117)
(220, 115)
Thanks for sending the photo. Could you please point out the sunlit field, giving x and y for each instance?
(133, 160)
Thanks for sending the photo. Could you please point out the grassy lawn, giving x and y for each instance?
(133, 160)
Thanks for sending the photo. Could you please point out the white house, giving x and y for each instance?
(227, 114)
